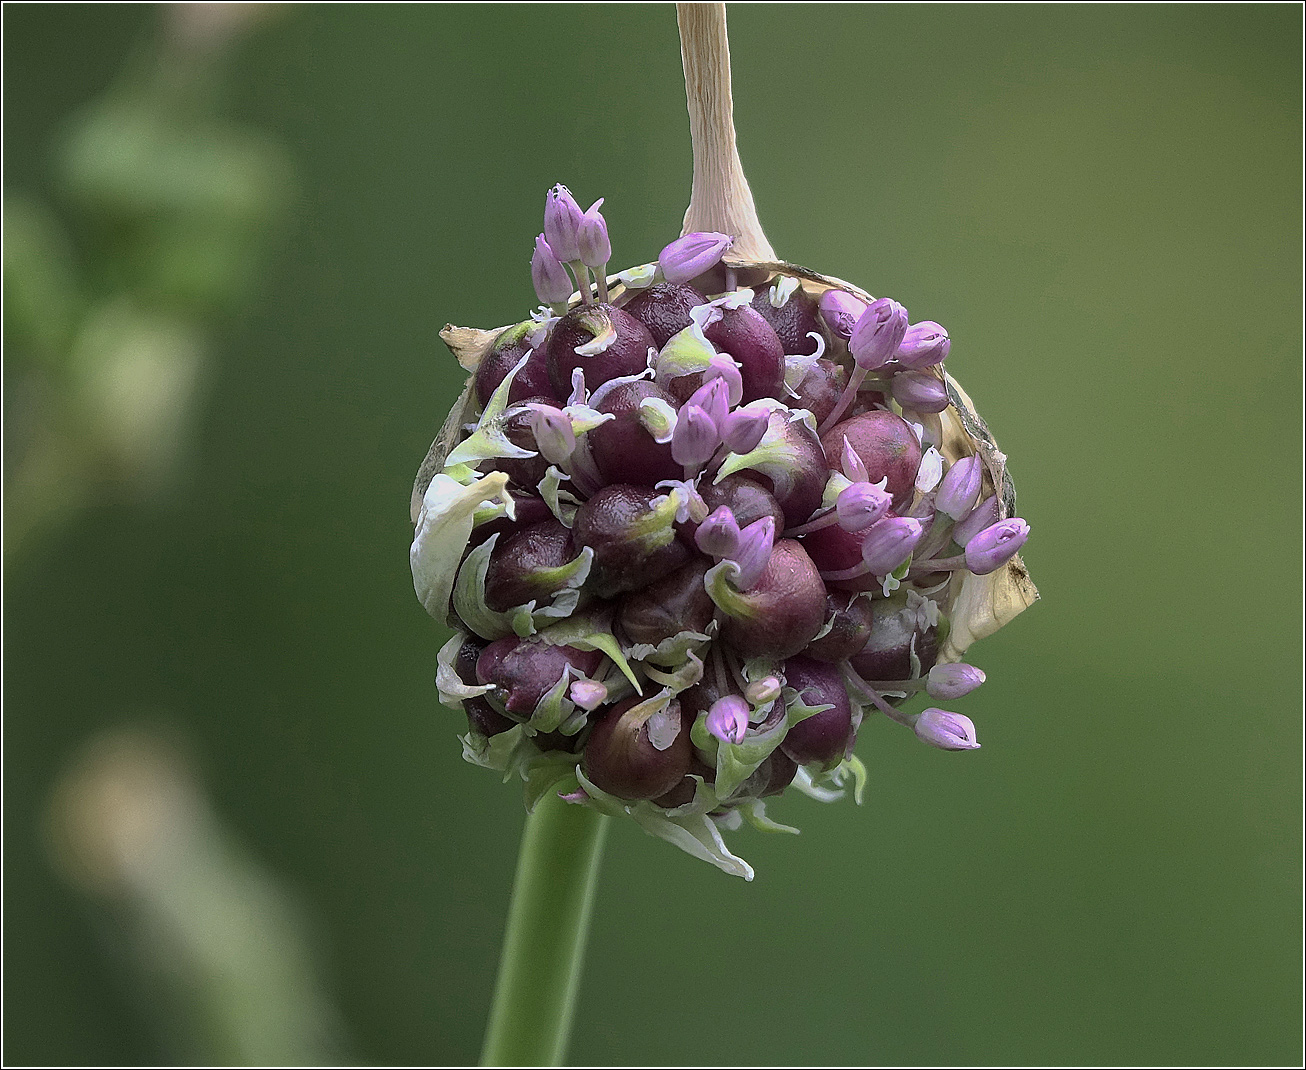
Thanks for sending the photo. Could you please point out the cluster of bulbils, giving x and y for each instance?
(697, 532)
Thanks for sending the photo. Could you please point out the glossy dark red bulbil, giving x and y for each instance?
(850, 620)
(676, 603)
(793, 322)
(664, 309)
(798, 496)
(835, 550)
(626, 354)
(887, 653)
(484, 719)
(620, 757)
(749, 339)
(824, 736)
(632, 547)
(524, 473)
(819, 390)
(521, 566)
(785, 609)
(887, 447)
(745, 497)
(524, 670)
(529, 511)
(507, 350)
(622, 448)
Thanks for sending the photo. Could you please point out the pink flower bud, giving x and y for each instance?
(688, 257)
(754, 553)
(713, 398)
(552, 283)
(841, 310)
(977, 520)
(592, 238)
(948, 731)
(890, 542)
(743, 429)
(695, 438)
(960, 487)
(953, 681)
(718, 535)
(861, 505)
(727, 719)
(996, 545)
(920, 391)
(924, 345)
(562, 216)
(878, 332)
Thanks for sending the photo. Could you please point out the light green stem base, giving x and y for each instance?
(544, 945)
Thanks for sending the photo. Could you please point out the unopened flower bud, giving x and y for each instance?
(553, 433)
(727, 719)
(861, 505)
(960, 487)
(552, 283)
(562, 216)
(722, 366)
(588, 694)
(948, 731)
(713, 398)
(688, 257)
(977, 520)
(996, 545)
(695, 438)
(924, 345)
(853, 465)
(841, 310)
(878, 332)
(755, 543)
(921, 391)
(592, 238)
(718, 535)
(953, 681)
(762, 691)
(743, 429)
(890, 542)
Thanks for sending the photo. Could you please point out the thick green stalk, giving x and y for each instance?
(544, 945)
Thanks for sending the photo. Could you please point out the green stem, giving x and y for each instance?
(539, 973)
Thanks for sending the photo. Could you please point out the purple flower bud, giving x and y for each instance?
(552, 283)
(755, 543)
(743, 429)
(713, 398)
(718, 535)
(695, 438)
(688, 257)
(924, 345)
(948, 731)
(853, 465)
(861, 505)
(553, 433)
(592, 238)
(982, 516)
(588, 694)
(890, 542)
(562, 216)
(953, 681)
(921, 391)
(762, 691)
(727, 719)
(960, 487)
(841, 310)
(996, 545)
(723, 367)
(878, 332)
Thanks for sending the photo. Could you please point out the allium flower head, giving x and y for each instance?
(691, 541)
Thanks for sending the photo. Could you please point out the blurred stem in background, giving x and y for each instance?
(215, 953)
(164, 212)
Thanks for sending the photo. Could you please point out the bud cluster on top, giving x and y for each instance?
(697, 531)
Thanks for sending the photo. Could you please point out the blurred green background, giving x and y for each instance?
(1102, 204)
